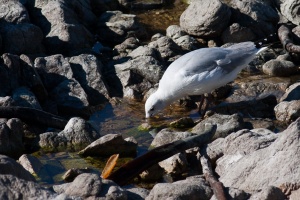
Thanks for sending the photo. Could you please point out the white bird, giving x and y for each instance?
(201, 71)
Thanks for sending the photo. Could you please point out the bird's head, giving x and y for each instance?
(153, 105)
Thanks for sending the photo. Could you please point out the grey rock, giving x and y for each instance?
(30, 163)
(11, 71)
(13, 11)
(152, 174)
(289, 9)
(71, 174)
(115, 27)
(292, 93)
(137, 193)
(143, 51)
(156, 37)
(108, 145)
(22, 38)
(243, 168)
(234, 194)
(6, 101)
(214, 150)
(295, 195)
(256, 15)
(205, 18)
(126, 47)
(12, 187)
(226, 124)
(167, 135)
(192, 188)
(236, 33)
(23, 97)
(287, 111)
(9, 166)
(77, 135)
(11, 137)
(87, 71)
(188, 43)
(176, 164)
(280, 68)
(175, 32)
(268, 193)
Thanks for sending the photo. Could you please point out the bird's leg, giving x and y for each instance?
(201, 103)
(207, 98)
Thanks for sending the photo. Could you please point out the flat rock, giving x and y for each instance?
(206, 18)
(108, 145)
(287, 111)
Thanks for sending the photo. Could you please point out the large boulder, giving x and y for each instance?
(206, 18)
(290, 10)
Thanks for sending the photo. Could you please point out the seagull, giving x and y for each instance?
(201, 71)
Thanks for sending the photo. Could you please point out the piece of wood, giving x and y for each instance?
(216, 186)
(131, 169)
(285, 36)
(33, 116)
(110, 165)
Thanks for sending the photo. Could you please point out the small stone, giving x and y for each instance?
(280, 68)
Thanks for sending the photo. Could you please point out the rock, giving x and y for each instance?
(295, 195)
(25, 98)
(226, 124)
(87, 70)
(71, 174)
(233, 193)
(188, 43)
(258, 16)
(192, 188)
(13, 12)
(236, 33)
(184, 122)
(136, 193)
(126, 47)
(214, 150)
(77, 135)
(6, 101)
(205, 18)
(287, 111)
(108, 145)
(292, 93)
(22, 38)
(166, 47)
(12, 187)
(152, 174)
(11, 137)
(9, 166)
(280, 68)
(290, 9)
(268, 193)
(167, 135)
(242, 167)
(30, 163)
(176, 164)
(114, 27)
(175, 32)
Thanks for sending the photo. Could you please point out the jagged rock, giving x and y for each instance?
(193, 187)
(9, 166)
(108, 145)
(290, 9)
(176, 164)
(126, 47)
(226, 124)
(25, 98)
(175, 32)
(87, 71)
(30, 163)
(245, 162)
(236, 33)
(115, 27)
(12, 187)
(77, 135)
(280, 68)
(13, 11)
(205, 18)
(287, 111)
(11, 137)
(292, 93)
(6, 101)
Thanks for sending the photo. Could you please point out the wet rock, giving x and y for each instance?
(290, 9)
(87, 71)
(292, 93)
(287, 111)
(11, 137)
(9, 166)
(12, 187)
(108, 145)
(71, 174)
(185, 122)
(76, 135)
(268, 193)
(205, 18)
(193, 187)
(243, 166)
(30, 163)
(115, 27)
(236, 33)
(280, 68)
(22, 38)
(137, 193)
(226, 124)
(166, 47)
(25, 98)
(258, 16)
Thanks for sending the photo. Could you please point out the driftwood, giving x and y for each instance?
(33, 116)
(285, 36)
(217, 186)
(131, 169)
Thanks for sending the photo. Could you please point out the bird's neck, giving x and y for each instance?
(167, 96)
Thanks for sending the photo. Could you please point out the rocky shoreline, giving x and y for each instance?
(70, 58)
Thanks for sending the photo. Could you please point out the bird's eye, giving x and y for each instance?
(152, 108)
